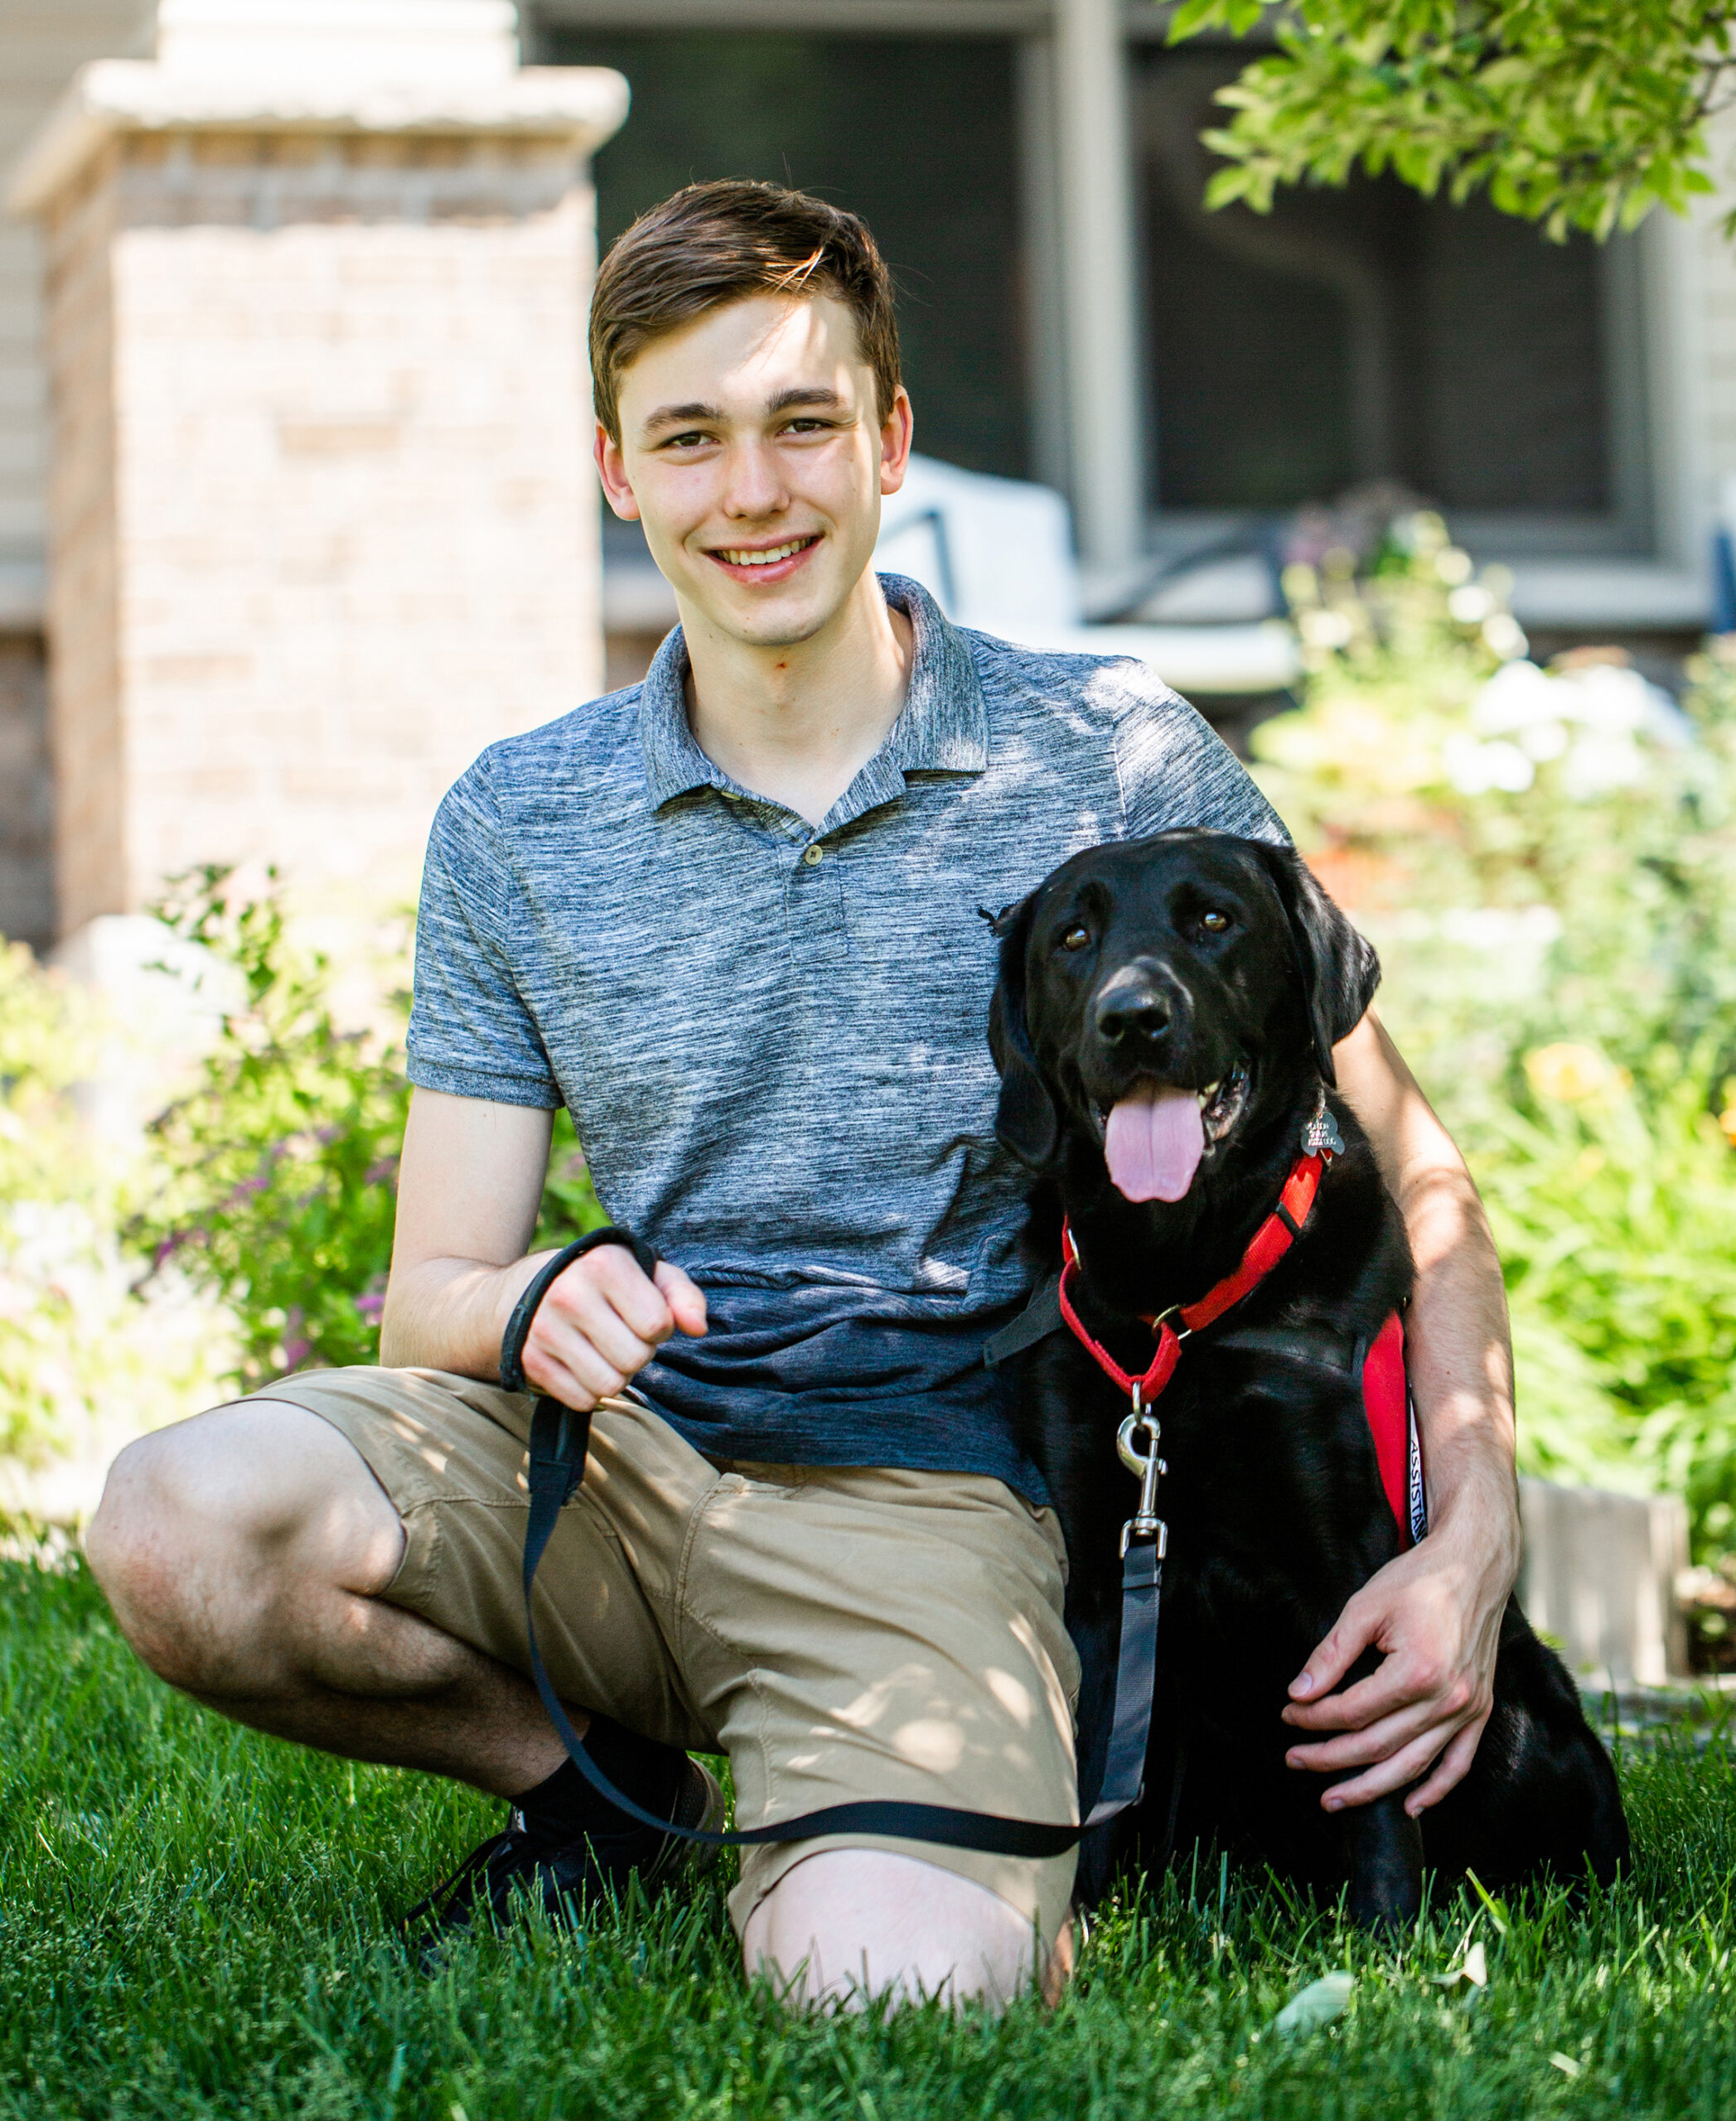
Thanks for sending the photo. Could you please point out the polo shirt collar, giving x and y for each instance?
(943, 726)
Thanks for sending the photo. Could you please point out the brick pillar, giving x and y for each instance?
(322, 522)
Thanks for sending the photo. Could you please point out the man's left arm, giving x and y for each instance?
(1435, 1612)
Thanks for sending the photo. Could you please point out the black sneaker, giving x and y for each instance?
(563, 1877)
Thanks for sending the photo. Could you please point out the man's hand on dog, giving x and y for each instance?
(603, 1320)
(1435, 1623)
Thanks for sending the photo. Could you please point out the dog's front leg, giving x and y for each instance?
(1383, 1850)
(1385, 1864)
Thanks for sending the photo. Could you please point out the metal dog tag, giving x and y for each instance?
(1321, 1136)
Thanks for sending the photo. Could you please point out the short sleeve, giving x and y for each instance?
(470, 1034)
(1176, 770)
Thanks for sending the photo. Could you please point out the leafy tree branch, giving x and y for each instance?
(1575, 113)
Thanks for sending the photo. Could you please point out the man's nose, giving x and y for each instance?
(1134, 1004)
(755, 486)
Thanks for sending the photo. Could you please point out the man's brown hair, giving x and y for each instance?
(713, 243)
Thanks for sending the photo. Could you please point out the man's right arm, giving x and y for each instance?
(469, 1184)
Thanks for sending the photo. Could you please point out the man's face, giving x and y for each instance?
(751, 451)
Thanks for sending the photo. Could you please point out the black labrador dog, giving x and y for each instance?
(1163, 1027)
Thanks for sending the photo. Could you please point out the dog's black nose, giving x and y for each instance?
(1133, 1006)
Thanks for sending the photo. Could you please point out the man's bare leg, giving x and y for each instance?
(244, 1553)
(850, 1923)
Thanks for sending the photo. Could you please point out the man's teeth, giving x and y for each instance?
(767, 556)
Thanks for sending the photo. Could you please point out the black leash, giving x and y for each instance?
(560, 1439)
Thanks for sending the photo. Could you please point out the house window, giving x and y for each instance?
(1368, 333)
(917, 135)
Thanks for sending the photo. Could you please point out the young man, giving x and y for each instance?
(729, 917)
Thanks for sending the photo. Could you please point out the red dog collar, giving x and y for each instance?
(1267, 1246)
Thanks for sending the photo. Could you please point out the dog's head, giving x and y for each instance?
(1161, 996)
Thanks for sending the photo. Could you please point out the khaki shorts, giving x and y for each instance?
(841, 1633)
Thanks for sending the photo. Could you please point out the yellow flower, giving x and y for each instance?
(1566, 1072)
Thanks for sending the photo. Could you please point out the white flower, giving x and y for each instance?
(1607, 700)
(1504, 636)
(1615, 700)
(1605, 697)
(1542, 740)
(1453, 564)
(1325, 629)
(1472, 605)
(1474, 768)
(1598, 764)
(1516, 696)
(1507, 767)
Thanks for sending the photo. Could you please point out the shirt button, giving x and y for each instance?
(813, 853)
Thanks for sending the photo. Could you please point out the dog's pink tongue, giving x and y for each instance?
(1154, 1144)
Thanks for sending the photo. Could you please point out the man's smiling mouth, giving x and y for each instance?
(763, 555)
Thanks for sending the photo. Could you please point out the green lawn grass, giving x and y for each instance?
(195, 1921)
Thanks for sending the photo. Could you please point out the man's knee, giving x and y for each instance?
(850, 1924)
(204, 1528)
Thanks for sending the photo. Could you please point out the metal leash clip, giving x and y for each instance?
(1144, 1524)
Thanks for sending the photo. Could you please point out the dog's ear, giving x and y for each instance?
(1340, 970)
(1026, 1121)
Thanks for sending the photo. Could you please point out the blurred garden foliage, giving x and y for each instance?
(277, 1171)
(273, 1174)
(248, 1233)
(1546, 861)
(79, 1352)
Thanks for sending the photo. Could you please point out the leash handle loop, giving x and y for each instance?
(525, 1311)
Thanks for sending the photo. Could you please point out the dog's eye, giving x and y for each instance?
(1215, 923)
(1076, 938)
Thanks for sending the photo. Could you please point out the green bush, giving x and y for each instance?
(1613, 1203)
(1547, 863)
(45, 1173)
(277, 1170)
(82, 1360)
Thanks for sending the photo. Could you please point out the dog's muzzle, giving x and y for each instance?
(1140, 1007)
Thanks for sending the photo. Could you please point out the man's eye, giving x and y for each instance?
(1215, 922)
(1076, 938)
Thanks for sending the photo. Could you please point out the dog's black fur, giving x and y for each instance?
(1277, 1515)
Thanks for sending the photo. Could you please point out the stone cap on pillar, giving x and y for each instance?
(428, 67)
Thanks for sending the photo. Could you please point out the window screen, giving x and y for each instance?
(1360, 334)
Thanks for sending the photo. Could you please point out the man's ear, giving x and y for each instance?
(611, 469)
(1026, 1121)
(1340, 970)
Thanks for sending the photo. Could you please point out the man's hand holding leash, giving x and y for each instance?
(603, 1320)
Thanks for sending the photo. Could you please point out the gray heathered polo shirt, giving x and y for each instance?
(772, 1039)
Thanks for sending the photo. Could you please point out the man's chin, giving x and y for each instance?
(782, 622)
